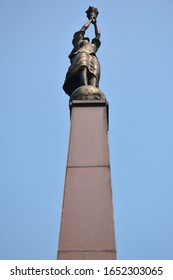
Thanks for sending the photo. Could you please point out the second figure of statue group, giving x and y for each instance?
(85, 68)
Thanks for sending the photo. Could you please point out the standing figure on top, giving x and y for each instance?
(85, 67)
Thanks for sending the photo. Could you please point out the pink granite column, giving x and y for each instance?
(87, 224)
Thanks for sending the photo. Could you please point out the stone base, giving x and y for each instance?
(87, 93)
(87, 224)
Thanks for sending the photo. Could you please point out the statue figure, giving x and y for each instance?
(85, 68)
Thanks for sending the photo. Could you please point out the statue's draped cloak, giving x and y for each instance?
(84, 56)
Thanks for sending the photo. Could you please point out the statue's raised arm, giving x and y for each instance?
(85, 67)
(86, 25)
(97, 30)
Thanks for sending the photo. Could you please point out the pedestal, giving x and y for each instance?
(87, 224)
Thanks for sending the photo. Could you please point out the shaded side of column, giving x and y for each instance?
(87, 224)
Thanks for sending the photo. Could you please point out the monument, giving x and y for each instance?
(87, 224)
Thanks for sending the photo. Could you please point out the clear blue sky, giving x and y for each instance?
(136, 59)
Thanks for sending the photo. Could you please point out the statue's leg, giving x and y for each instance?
(84, 76)
(92, 81)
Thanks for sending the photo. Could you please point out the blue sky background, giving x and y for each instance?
(136, 59)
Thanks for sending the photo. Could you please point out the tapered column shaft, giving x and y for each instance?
(87, 224)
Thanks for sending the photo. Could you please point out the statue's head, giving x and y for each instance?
(92, 12)
(86, 39)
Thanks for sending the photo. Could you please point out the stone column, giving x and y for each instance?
(87, 224)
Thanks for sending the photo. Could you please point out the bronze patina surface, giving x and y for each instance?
(85, 67)
(87, 93)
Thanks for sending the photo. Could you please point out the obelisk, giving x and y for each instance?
(87, 223)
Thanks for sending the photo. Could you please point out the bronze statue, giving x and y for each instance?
(85, 68)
